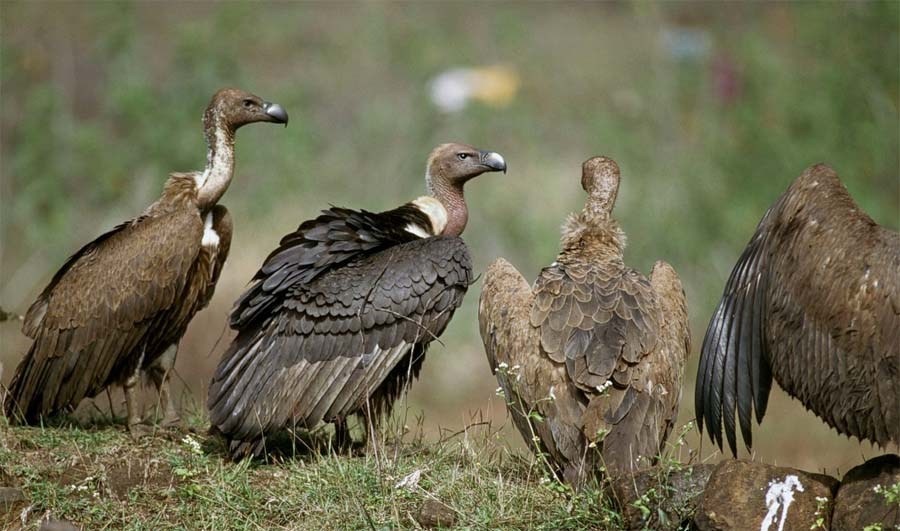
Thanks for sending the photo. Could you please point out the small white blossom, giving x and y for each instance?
(410, 481)
(552, 393)
(503, 365)
(604, 387)
(193, 444)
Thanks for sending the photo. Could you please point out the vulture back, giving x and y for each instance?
(597, 349)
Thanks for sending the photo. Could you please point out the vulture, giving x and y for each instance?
(813, 301)
(337, 320)
(114, 309)
(591, 358)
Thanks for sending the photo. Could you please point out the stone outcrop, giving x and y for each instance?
(656, 499)
(744, 495)
(862, 499)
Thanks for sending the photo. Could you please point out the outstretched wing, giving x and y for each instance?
(335, 238)
(321, 349)
(98, 308)
(814, 300)
(733, 369)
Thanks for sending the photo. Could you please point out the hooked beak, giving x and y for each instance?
(276, 113)
(494, 161)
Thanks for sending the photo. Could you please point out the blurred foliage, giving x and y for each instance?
(710, 109)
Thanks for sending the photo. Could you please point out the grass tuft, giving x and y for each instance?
(96, 476)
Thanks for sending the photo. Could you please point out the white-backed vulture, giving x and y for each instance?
(338, 318)
(813, 301)
(591, 359)
(120, 302)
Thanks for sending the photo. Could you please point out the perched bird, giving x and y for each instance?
(118, 304)
(338, 318)
(814, 300)
(592, 356)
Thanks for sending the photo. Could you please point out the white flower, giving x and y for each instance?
(410, 481)
(193, 444)
(604, 387)
(503, 365)
(552, 393)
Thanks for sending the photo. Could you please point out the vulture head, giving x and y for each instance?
(600, 179)
(449, 167)
(233, 108)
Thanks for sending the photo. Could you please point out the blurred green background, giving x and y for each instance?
(710, 109)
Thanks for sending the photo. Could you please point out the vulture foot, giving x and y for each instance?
(139, 431)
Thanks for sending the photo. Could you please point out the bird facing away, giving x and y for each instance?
(120, 302)
(338, 318)
(814, 300)
(593, 355)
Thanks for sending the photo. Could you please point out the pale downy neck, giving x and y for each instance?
(598, 207)
(451, 197)
(214, 180)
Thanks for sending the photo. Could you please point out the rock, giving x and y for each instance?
(10, 495)
(435, 514)
(858, 505)
(746, 495)
(660, 499)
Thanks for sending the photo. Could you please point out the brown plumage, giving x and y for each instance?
(595, 348)
(339, 316)
(814, 300)
(120, 302)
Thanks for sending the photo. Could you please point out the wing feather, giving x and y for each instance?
(810, 302)
(88, 320)
(364, 315)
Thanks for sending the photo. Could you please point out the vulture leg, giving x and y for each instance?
(160, 372)
(343, 441)
(131, 404)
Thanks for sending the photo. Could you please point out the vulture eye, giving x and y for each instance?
(462, 156)
(248, 103)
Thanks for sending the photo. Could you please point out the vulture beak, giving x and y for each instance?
(494, 161)
(276, 113)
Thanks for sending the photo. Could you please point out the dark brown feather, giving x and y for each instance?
(370, 329)
(814, 301)
(119, 302)
(122, 300)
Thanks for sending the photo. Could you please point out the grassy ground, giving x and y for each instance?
(711, 109)
(97, 477)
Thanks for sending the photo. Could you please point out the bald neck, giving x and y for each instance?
(598, 208)
(215, 178)
(451, 196)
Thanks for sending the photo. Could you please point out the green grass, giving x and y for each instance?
(98, 478)
(102, 99)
